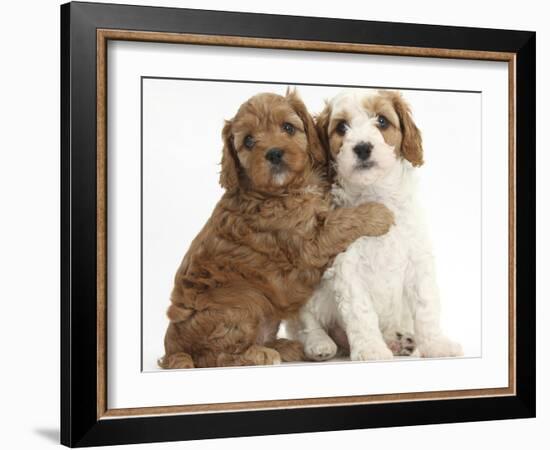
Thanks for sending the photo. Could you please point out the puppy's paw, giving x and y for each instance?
(440, 347)
(176, 361)
(402, 344)
(289, 350)
(376, 219)
(320, 347)
(262, 356)
(372, 352)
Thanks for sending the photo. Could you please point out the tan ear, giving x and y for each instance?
(229, 175)
(411, 144)
(316, 150)
(322, 121)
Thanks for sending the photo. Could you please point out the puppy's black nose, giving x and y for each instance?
(363, 150)
(274, 155)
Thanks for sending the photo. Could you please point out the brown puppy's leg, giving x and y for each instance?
(176, 361)
(175, 356)
(341, 227)
(288, 349)
(345, 225)
(222, 332)
(255, 355)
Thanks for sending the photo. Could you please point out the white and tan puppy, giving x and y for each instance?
(382, 292)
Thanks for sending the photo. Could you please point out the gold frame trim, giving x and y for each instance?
(104, 35)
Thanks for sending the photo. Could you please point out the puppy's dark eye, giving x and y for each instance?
(382, 122)
(342, 127)
(289, 128)
(249, 142)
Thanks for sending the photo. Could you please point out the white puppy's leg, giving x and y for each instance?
(365, 340)
(318, 346)
(400, 342)
(423, 295)
(397, 326)
(358, 318)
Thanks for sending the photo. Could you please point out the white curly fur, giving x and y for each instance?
(380, 286)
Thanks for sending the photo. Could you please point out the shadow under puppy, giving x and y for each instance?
(263, 251)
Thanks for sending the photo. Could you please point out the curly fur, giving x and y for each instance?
(263, 251)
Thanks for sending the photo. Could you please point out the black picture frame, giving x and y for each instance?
(80, 425)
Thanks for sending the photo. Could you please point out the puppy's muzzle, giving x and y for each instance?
(274, 156)
(363, 150)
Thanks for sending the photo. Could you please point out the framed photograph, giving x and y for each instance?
(277, 224)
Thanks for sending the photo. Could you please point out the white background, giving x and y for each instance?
(181, 154)
(29, 237)
(167, 163)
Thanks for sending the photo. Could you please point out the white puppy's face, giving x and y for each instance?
(367, 134)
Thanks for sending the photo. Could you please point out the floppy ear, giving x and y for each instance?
(316, 150)
(411, 145)
(229, 175)
(322, 121)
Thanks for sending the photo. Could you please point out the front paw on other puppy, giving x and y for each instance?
(440, 347)
(376, 219)
(371, 352)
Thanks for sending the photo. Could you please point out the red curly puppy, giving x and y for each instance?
(264, 249)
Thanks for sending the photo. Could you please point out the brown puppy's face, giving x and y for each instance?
(270, 144)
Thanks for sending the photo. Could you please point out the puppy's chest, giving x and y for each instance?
(392, 251)
(295, 222)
